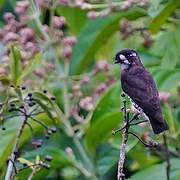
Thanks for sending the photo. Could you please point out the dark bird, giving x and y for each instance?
(139, 85)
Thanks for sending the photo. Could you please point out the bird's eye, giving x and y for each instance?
(133, 55)
(122, 57)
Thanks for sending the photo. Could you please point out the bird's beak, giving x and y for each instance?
(116, 61)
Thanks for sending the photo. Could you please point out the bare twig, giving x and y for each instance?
(120, 175)
(12, 159)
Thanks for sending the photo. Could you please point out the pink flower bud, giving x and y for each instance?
(46, 28)
(67, 52)
(49, 67)
(2, 71)
(74, 110)
(92, 15)
(78, 3)
(10, 37)
(85, 80)
(164, 96)
(39, 73)
(100, 89)
(126, 5)
(22, 7)
(31, 47)
(58, 22)
(64, 2)
(42, 3)
(110, 81)
(58, 35)
(8, 16)
(86, 103)
(5, 60)
(76, 87)
(101, 66)
(2, 32)
(70, 40)
(26, 34)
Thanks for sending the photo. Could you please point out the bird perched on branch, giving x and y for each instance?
(139, 85)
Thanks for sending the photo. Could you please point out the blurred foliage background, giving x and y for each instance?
(67, 48)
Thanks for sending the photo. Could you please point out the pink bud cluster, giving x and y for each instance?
(127, 29)
(16, 31)
(164, 96)
(58, 21)
(147, 40)
(76, 90)
(87, 103)
(68, 43)
(97, 14)
(124, 5)
(101, 66)
(127, 4)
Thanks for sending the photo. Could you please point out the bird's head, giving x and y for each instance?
(127, 58)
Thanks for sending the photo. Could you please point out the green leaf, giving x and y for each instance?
(75, 17)
(167, 79)
(106, 115)
(107, 160)
(159, 20)
(1, 3)
(8, 136)
(45, 103)
(50, 107)
(159, 171)
(7, 139)
(108, 103)
(37, 161)
(15, 65)
(25, 161)
(60, 158)
(169, 117)
(32, 64)
(101, 129)
(94, 34)
(4, 80)
(167, 48)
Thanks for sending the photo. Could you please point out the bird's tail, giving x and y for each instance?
(158, 123)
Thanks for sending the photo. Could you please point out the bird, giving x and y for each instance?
(139, 85)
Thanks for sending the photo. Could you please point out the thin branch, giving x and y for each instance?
(26, 167)
(39, 122)
(135, 117)
(31, 128)
(144, 143)
(120, 175)
(132, 124)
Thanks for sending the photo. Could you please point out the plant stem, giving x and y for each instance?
(167, 156)
(83, 154)
(66, 96)
(9, 171)
(102, 6)
(79, 146)
(34, 171)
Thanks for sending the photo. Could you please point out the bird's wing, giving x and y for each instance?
(141, 88)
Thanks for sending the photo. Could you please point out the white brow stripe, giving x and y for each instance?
(122, 57)
(133, 54)
(126, 61)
